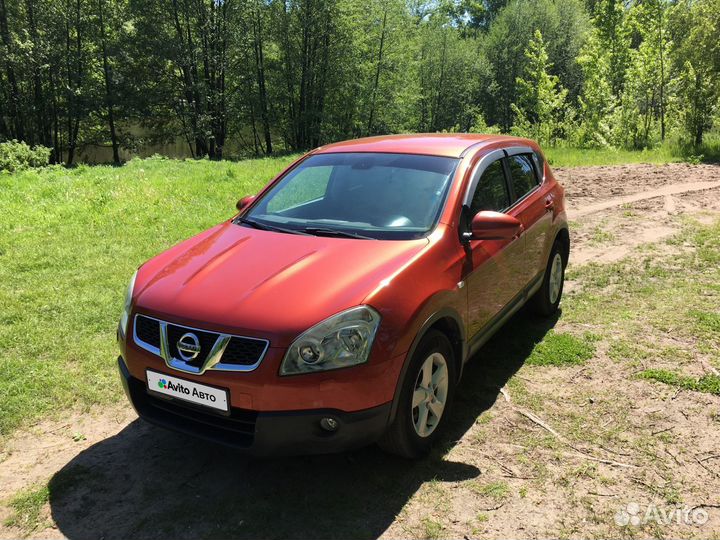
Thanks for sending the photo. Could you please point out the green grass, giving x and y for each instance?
(560, 349)
(582, 157)
(655, 295)
(641, 301)
(27, 504)
(69, 242)
(495, 490)
(26, 507)
(667, 153)
(600, 236)
(432, 529)
(708, 384)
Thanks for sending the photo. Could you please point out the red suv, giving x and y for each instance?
(339, 306)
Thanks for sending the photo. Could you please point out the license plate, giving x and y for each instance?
(199, 394)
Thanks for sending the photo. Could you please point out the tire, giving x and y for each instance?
(546, 300)
(403, 437)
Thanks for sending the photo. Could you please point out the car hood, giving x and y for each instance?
(263, 283)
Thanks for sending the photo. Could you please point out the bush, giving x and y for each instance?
(16, 156)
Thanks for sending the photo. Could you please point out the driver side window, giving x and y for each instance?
(491, 192)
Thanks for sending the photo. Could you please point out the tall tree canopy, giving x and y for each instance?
(221, 78)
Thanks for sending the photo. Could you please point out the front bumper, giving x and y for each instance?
(260, 433)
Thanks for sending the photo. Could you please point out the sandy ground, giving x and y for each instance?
(112, 476)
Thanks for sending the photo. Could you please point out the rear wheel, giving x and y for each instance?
(425, 397)
(547, 299)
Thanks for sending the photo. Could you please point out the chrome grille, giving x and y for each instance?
(218, 351)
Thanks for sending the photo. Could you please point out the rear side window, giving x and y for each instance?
(522, 175)
(491, 192)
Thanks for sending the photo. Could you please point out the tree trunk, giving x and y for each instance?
(57, 147)
(42, 126)
(662, 76)
(377, 73)
(74, 118)
(109, 101)
(14, 103)
(435, 109)
(301, 137)
(188, 70)
(260, 72)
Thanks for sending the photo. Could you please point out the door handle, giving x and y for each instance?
(549, 203)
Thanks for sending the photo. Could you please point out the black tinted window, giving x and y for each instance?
(522, 174)
(491, 192)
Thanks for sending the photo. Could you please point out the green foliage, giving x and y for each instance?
(564, 156)
(26, 507)
(614, 37)
(560, 349)
(708, 384)
(101, 80)
(85, 230)
(16, 156)
(596, 101)
(695, 27)
(563, 25)
(543, 111)
(479, 125)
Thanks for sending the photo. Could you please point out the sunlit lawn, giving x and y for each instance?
(69, 242)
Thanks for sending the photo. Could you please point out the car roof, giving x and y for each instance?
(431, 144)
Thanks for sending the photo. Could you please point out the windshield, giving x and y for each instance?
(362, 195)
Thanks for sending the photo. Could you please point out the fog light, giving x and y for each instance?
(329, 424)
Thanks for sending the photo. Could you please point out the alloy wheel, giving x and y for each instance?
(430, 394)
(556, 278)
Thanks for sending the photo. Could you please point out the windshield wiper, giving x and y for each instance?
(266, 227)
(319, 231)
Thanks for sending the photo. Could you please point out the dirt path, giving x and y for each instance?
(667, 192)
(112, 476)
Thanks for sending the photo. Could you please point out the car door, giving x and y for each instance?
(531, 208)
(491, 275)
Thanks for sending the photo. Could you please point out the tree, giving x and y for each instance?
(596, 102)
(614, 36)
(695, 27)
(563, 24)
(472, 16)
(109, 85)
(16, 128)
(542, 107)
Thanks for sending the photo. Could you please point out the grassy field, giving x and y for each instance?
(70, 240)
(576, 157)
(668, 153)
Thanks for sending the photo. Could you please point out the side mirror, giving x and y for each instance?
(244, 202)
(487, 225)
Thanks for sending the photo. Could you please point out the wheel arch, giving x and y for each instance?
(447, 321)
(563, 238)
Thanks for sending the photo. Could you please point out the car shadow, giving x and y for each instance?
(146, 482)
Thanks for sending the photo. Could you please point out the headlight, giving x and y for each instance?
(340, 341)
(125, 317)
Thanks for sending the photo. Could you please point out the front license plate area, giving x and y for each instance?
(202, 395)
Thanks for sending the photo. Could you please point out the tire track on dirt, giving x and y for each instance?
(674, 189)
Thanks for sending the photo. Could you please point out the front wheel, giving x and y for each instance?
(547, 298)
(425, 397)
